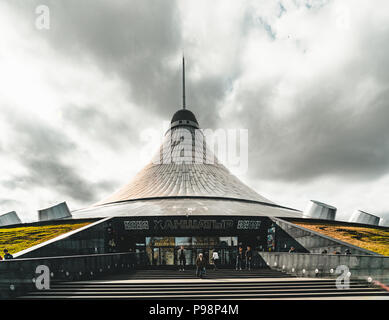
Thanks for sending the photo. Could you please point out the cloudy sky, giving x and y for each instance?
(309, 79)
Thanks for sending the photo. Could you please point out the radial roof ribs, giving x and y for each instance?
(184, 167)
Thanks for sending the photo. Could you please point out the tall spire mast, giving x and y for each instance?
(183, 82)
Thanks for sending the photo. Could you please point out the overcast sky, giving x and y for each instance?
(309, 79)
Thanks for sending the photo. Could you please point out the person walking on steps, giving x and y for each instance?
(181, 258)
(200, 266)
(215, 259)
(249, 256)
(239, 258)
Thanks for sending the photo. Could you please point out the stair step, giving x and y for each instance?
(225, 284)
(223, 296)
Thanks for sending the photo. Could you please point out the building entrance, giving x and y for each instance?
(164, 250)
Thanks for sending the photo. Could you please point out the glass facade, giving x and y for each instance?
(164, 250)
(156, 241)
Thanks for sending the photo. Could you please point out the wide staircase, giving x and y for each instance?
(220, 284)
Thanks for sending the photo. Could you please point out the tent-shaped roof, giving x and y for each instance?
(185, 175)
(184, 167)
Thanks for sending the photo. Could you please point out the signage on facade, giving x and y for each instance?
(191, 224)
(136, 225)
(248, 225)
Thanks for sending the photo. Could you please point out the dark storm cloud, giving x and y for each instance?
(322, 133)
(41, 150)
(110, 128)
(135, 40)
(48, 172)
(325, 130)
(204, 96)
(64, 179)
(320, 138)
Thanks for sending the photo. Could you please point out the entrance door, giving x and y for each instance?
(161, 256)
(163, 250)
(225, 256)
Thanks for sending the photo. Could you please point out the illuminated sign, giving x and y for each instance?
(136, 225)
(248, 224)
(193, 224)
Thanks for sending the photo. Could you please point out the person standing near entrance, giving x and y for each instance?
(239, 259)
(200, 266)
(215, 259)
(181, 258)
(249, 256)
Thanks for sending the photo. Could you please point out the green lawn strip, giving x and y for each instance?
(373, 239)
(18, 239)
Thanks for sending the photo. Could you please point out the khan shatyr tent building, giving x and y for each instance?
(188, 202)
(185, 179)
(184, 196)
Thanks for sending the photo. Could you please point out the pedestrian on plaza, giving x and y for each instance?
(239, 258)
(249, 257)
(182, 258)
(200, 266)
(215, 259)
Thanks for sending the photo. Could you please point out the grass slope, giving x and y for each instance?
(18, 239)
(373, 239)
